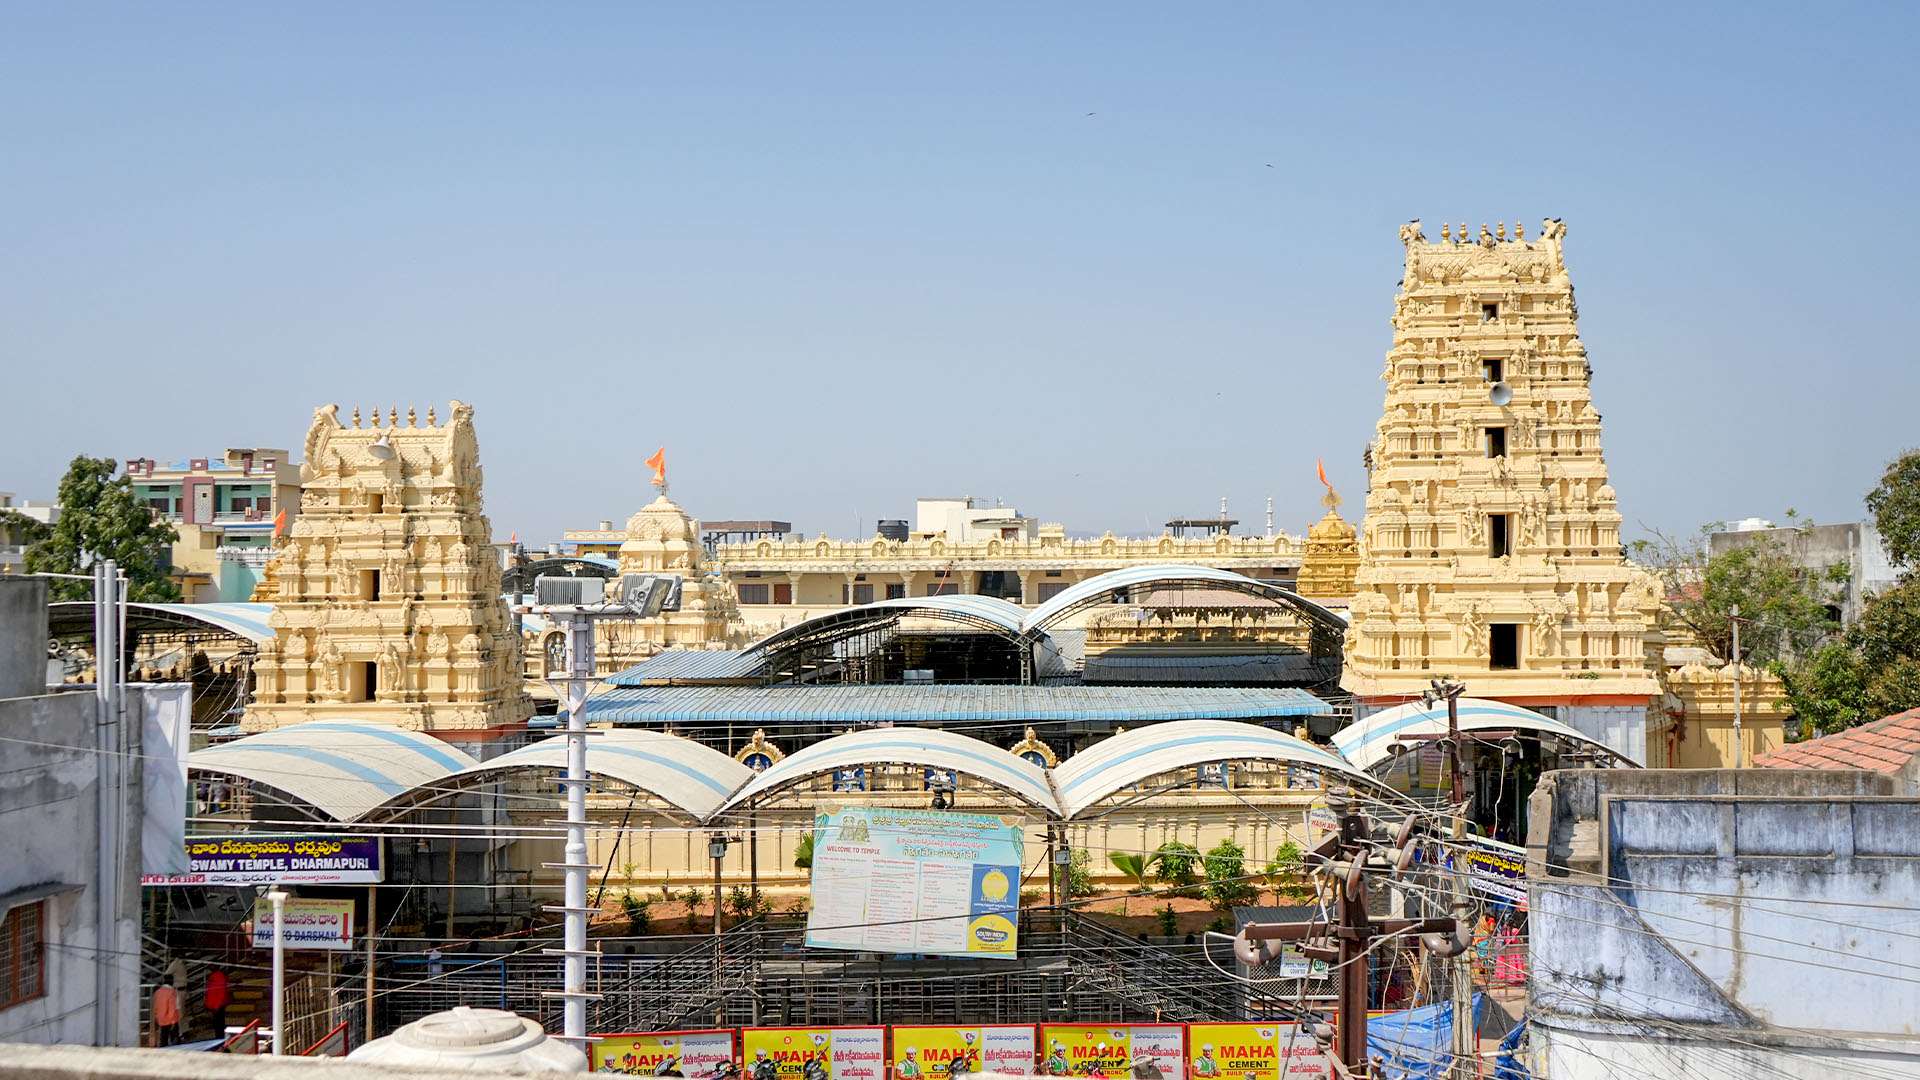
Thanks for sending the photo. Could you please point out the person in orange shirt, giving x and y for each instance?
(218, 995)
(166, 1012)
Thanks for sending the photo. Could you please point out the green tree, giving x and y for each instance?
(1080, 876)
(1179, 867)
(639, 919)
(1227, 886)
(1895, 506)
(1135, 867)
(803, 853)
(1786, 609)
(100, 518)
(1871, 671)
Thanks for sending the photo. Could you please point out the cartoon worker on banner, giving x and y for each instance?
(1205, 1065)
(1057, 1063)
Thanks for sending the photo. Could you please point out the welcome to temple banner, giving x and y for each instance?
(260, 859)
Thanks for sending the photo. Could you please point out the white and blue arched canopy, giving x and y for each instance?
(1036, 622)
(689, 776)
(1116, 764)
(342, 768)
(1370, 742)
(930, 747)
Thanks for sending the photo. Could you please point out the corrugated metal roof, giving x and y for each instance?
(688, 775)
(691, 664)
(962, 607)
(1259, 669)
(911, 746)
(943, 703)
(1367, 742)
(1115, 764)
(343, 768)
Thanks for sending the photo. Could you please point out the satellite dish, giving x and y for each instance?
(1500, 393)
(381, 447)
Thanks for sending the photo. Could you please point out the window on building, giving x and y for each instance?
(1494, 367)
(1047, 590)
(1489, 312)
(897, 591)
(20, 948)
(376, 502)
(862, 594)
(370, 584)
(753, 594)
(1496, 442)
(1498, 526)
(363, 677)
(1503, 646)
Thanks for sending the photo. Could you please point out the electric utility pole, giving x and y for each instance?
(1346, 855)
(1464, 1041)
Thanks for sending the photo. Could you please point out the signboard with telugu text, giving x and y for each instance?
(310, 924)
(850, 1053)
(1257, 1051)
(916, 881)
(261, 859)
(695, 1053)
(935, 1053)
(1074, 1049)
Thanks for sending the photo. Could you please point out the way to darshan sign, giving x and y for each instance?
(850, 1053)
(916, 881)
(255, 859)
(1258, 1051)
(695, 1053)
(310, 924)
(934, 1053)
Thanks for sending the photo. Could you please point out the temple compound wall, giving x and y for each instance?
(1491, 540)
(386, 593)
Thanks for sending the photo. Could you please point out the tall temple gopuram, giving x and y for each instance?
(386, 591)
(1491, 537)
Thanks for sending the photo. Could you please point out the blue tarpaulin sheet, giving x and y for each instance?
(1415, 1044)
(1507, 1065)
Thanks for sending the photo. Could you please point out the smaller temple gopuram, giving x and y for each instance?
(386, 590)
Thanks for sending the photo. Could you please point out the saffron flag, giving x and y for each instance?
(1322, 467)
(658, 463)
(280, 522)
(513, 537)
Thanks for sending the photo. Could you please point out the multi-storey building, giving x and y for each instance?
(1492, 538)
(13, 542)
(223, 510)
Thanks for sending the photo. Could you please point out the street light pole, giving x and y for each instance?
(278, 898)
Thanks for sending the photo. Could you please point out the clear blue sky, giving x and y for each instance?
(835, 256)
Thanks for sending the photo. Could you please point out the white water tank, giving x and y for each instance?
(474, 1040)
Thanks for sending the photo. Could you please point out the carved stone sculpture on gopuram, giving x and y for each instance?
(386, 590)
(1491, 537)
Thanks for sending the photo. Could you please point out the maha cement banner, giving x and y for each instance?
(1073, 1049)
(850, 1053)
(256, 859)
(916, 881)
(694, 1053)
(934, 1053)
(1258, 1051)
(310, 924)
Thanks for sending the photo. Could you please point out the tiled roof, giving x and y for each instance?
(1882, 746)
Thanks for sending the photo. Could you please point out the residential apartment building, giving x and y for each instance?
(224, 510)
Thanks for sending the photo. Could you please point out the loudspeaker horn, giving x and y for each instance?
(1500, 393)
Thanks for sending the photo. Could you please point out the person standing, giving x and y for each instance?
(217, 997)
(166, 1012)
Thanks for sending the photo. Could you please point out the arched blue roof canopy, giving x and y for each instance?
(1114, 765)
(928, 747)
(341, 768)
(983, 612)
